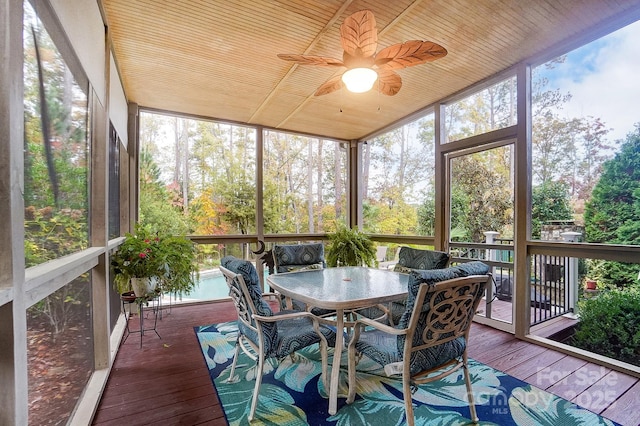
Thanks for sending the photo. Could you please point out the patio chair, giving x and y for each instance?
(412, 259)
(296, 257)
(300, 257)
(430, 342)
(263, 334)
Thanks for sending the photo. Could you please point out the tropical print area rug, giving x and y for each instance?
(292, 393)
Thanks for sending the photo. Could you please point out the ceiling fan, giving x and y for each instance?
(359, 39)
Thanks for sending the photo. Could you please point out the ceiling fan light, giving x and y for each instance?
(359, 80)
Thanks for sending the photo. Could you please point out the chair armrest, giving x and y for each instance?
(280, 317)
(362, 322)
(270, 294)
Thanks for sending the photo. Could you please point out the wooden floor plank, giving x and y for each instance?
(579, 381)
(166, 381)
(605, 391)
(531, 368)
(524, 353)
(624, 409)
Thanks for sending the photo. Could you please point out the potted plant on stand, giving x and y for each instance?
(147, 262)
(136, 264)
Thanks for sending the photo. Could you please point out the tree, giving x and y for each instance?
(157, 211)
(613, 212)
(568, 150)
(550, 201)
(427, 216)
(397, 172)
(481, 194)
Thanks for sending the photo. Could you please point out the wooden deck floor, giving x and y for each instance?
(165, 382)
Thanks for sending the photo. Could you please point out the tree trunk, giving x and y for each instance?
(310, 187)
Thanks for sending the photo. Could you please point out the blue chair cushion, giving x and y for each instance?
(382, 348)
(293, 257)
(250, 276)
(297, 333)
(410, 259)
(430, 277)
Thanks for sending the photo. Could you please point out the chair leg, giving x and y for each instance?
(256, 389)
(408, 402)
(325, 364)
(467, 379)
(351, 368)
(235, 360)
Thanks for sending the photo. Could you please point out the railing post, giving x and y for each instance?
(572, 277)
(489, 238)
(491, 255)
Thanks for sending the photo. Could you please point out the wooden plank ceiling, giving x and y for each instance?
(217, 58)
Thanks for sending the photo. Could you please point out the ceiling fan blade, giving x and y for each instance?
(359, 36)
(311, 60)
(389, 82)
(408, 54)
(331, 85)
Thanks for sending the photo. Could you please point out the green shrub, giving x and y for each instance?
(610, 325)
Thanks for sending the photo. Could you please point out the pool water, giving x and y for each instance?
(211, 286)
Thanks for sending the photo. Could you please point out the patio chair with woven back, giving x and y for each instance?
(430, 341)
(300, 257)
(263, 334)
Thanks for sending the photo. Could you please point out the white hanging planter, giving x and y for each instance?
(143, 285)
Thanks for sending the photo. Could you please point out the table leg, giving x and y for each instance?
(335, 368)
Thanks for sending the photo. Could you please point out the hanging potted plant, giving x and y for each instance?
(350, 247)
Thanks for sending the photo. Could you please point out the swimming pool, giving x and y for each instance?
(211, 286)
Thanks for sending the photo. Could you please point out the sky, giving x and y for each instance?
(603, 78)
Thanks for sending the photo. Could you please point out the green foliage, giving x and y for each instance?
(157, 209)
(550, 201)
(481, 197)
(565, 149)
(140, 255)
(350, 247)
(614, 201)
(179, 267)
(54, 228)
(145, 254)
(397, 219)
(610, 325)
(427, 216)
(240, 205)
(51, 234)
(612, 215)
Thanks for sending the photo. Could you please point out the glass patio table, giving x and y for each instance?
(340, 289)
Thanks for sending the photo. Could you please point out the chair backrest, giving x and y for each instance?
(411, 259)
(440, 307)
(294, 257)
(244, 290)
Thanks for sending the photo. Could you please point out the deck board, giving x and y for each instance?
(166, 382)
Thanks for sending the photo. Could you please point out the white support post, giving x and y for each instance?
(572, 274)
(489, 238)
